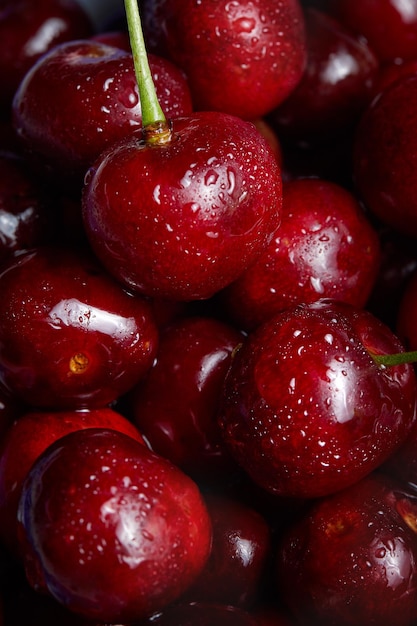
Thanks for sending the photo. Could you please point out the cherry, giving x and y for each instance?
(212, 193)
(70, 336)
(385, 154)
(25, 441)
(324, 248)
(29, 30)
(237, 565)
(111, 530)
(308, 409)
(96, 105)
(389, 26)
(336, 83)
(351, 559)
(242, 58)
(25, 219)
(193, 357)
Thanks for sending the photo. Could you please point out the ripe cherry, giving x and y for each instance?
(70, 336)
(325, 247)
(242, 58)
(307, 407)
(109, 529)
(351, 558)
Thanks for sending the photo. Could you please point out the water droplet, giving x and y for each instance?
(211, 178)
(244, 25)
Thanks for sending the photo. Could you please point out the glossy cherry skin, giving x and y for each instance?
(96, 105)
(325, 247)
(25, 219)
(113, 531)
(70, 336)
(389, 26)
(25, 441)
(28, 30)
(243, 58)
(183, 219)
(307, 410)
(180, 422)
(336, 83)
(351, 559)
(240, 552)
(385, 156)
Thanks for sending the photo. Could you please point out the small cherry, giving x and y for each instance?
(193, 357)
(351, 558)
(242, 58)
(25, 441)
(111, 530)
(70, 336)
(325, 247)
(181, 208)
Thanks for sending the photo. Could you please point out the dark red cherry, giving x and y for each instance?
(25, 208)
(30, 29)
(237, 566)
(325, 247)
(385, 156)
(70, 336)
(25, 441)
(242, 58)
(336, 83)
(183, 219)
(389, 26)
(307, 409)
(96, 105)
(175, 405)
(351, 559)
(111, 530)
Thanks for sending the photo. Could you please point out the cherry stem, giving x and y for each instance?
(155, 125)
(395, 359)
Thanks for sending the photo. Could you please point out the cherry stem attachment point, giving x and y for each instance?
(152, 115)
(395, 359)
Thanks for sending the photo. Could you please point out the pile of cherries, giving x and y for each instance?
(208, 278)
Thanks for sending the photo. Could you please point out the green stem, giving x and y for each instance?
(395, 359)
(153, 118)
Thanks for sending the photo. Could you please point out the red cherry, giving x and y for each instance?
(179, 422)
(25, 441)
(389, 26)
(96, 105)
(25, 219)
(351, 559)
(183, 219)
(307, 410)
(385, 156)
(242, 58)
(70, 336)
(237, 565)
(336, 83)
(111, 530)
(324, 248)
(29, 30)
